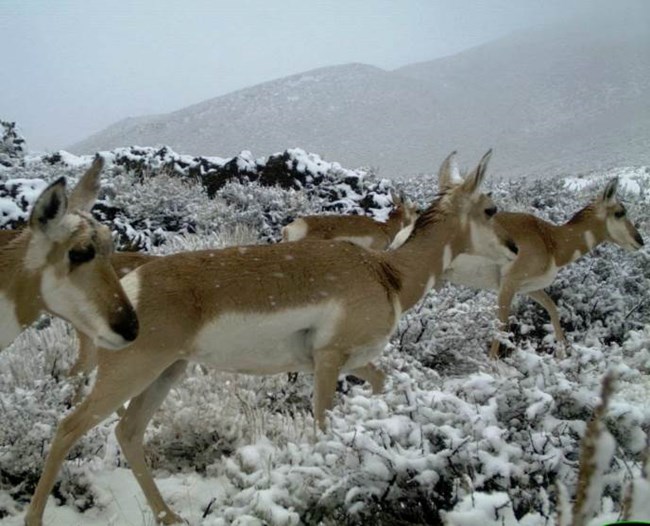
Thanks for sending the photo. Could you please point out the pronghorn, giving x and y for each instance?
(316, 306)
(543, 249)
(32, 306)
(60, 263)
(362, 230)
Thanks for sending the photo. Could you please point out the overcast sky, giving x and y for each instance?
(72, 67)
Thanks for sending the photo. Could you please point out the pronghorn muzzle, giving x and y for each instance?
(126, 324)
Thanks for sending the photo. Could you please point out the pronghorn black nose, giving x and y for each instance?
(638, 239)
(512, 246)
(127, 325)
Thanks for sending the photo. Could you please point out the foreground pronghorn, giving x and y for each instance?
(31, 306)
(60, 263)
(543, 249)
(316, 306)
(361, 230)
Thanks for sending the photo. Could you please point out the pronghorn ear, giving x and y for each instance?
(474, 180)
(445, 173)
(50, 207)
(610, 190)
(84, 195)
(396, 198)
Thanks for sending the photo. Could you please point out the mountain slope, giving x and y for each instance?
(552, 99)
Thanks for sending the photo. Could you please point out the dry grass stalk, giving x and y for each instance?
(628, 500)
(588, 470)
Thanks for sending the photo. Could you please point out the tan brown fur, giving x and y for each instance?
(317, 306)
(357, 229)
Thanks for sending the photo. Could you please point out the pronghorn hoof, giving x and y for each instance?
(169, 517)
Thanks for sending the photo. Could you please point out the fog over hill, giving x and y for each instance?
(553, 99)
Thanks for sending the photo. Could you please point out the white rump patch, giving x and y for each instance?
(295, 231)
(267, 342)
(9, 326)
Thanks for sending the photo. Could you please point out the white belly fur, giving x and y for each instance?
(474, 271)
(362, 241)
(269, 342)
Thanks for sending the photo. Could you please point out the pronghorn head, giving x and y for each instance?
(477, 233)
(615, 224)
(70, 251)
(404, 211)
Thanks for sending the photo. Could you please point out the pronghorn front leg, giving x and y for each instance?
(115, 384)
(84, 417)
(371, 374)
(130, 435)
(548, 304)
(83, 366)
(506, 293)
(327, 367)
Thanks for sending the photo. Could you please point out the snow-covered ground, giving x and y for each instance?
(453, 438)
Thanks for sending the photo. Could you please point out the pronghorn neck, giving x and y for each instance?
(576, 237)
(422, 260)
(394, 223)
(19, 288)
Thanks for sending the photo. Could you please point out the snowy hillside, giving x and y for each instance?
(553, 100)
(454, 437)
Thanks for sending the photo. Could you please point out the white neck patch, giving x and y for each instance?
(131, 285)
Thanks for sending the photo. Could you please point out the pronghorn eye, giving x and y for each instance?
(619, 213)
(79, 256)
(490, 211)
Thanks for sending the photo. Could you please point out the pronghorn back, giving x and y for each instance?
(360, 230)
(321, 306)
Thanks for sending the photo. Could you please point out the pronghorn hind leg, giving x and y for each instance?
(506, 293)
(130, 435)
(371, 374)
(548, 304)
(327, 367)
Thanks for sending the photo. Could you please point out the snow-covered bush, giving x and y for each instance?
(171, 193)
(453, 438)
(12, 145)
